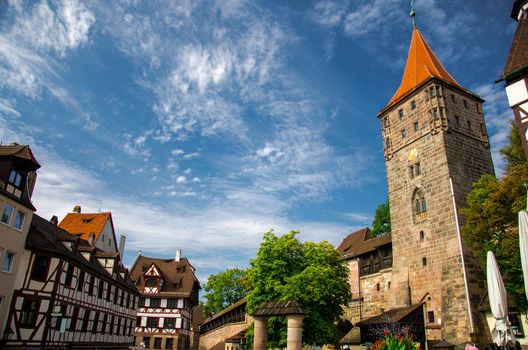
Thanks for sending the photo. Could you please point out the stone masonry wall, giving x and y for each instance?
(220, 334)
(425, 247)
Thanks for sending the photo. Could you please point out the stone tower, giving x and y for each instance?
(434, 134)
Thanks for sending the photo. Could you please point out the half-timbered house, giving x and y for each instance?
(169, 291)
(17, 178)
(72, 295)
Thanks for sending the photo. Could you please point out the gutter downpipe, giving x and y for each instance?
(472, 326)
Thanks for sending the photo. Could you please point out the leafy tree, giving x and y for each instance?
(309, 273)
(224, 289)
(382, 223)
(491, 218)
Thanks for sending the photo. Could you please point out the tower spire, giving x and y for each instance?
(413, 14)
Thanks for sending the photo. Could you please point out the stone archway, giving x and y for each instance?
(293, 313)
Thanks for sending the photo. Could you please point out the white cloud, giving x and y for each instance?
(362, 218)
(191, 155)
(329, 13)
(181, 179)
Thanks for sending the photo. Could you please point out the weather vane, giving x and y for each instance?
(413, 14)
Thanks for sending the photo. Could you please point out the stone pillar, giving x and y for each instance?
(260, 335)
(294, 332)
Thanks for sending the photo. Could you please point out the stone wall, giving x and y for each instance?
(220, 334)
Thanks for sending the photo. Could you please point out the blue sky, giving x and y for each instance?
(202, 124)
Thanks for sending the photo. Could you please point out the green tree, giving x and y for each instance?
(382, 223)
(310, 273)
(491, 218)
(224, 289)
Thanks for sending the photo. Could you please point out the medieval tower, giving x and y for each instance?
(435, 146)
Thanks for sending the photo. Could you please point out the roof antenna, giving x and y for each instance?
(413, 14)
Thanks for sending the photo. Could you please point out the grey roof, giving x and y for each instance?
(275, 308)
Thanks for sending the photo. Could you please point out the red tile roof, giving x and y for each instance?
(422, 65)
(517, 61)
(83, 225)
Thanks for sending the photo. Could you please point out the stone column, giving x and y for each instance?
(294, 332)
(260, 335)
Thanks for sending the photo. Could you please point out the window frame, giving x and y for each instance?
(30, 315)
(45, 271)
(21, 176)
(8, 223)
(4, 255)
(21, 222)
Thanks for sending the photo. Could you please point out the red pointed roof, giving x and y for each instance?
(85, 224)
(422, 65)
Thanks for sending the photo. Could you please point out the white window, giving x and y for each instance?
(6, 214)
(19, 220)
(7, 263)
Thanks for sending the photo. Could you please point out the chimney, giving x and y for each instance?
(122, 240)
(178, 255)
(77, 209)
(54, 220)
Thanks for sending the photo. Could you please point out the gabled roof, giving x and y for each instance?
(22, 152)
(178, 276)
(391, 316)
(46, 237)
(517, 61)
(82, 225)
(422, 65)
(360, 242)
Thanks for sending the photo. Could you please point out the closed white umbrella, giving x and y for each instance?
(501, 332)
(523, 245)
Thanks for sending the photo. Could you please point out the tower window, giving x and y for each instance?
(400, 113)
(387, 142)
(438, 90)
(432, 91)
(403, 134)
(457, 119)
(469, 125)
(465, 103)
(430, 316)
(483, 129)
(415, 170)
(385, 122)
(422, 235)
(436, 114)
(378, 287)
(453, 98)
(419, 206)
(416, 126)
(413, 104)
(424, 261)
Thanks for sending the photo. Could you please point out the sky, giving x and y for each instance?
(202, 124)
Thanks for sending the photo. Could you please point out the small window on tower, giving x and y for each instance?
(457, 119)
(400, 113)
(416, 126)
(385, 122)
(465, 103)
(453, 98)
(436, 115)
(469, 125)
(419, 206)
(432, 91)
(377, 287)
(422, 235)
(403, 134)
(387, 142)
(483, 129)
(413, 104)
(430, 316)
(424, 261)
(438, 91)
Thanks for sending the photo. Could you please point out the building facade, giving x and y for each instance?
(72, 295)
(169, 292)
(17, 179)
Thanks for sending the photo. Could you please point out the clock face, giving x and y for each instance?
(412, 154)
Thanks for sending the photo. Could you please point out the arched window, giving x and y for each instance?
(419, 206)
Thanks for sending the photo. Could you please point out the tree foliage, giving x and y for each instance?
(224, 289)
(382, 223)
(491, 217)
(309, 273)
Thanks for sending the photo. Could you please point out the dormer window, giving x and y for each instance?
(151, 282)
(15, 178)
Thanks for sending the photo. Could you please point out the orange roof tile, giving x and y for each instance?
(422, 65)
(85, 224)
